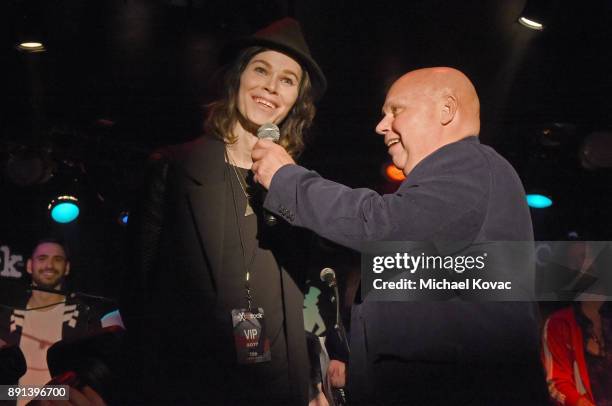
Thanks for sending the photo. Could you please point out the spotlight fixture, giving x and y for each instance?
(573, 235)
(534, 14)
(531, 24)
(393, 173)
(123, 217)
(30, 27)
(31, 47)
(538, 201)
(28, 166)
(64, 209)
(596, 150)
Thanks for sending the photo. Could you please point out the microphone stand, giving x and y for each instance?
(338, 326)
(340, 331)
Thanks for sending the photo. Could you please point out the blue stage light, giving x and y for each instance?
(123, 218)
(64, 209)
(538, 201)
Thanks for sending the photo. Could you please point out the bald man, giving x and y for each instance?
(450, 353)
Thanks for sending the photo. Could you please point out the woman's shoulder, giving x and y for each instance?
(180, 152)
(198, 160)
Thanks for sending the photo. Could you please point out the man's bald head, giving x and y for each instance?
(442, 83)
(426, 109)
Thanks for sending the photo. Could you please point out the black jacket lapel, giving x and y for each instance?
(205, 166)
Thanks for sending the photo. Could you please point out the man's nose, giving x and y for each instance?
(383, 126)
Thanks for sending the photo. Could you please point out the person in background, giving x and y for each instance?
(45, 317)
(576, 353)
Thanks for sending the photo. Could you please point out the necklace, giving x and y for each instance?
(249, 210)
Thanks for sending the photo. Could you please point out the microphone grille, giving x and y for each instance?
(327, 274)
(269, 131)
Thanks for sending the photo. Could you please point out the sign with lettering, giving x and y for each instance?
(11, 264)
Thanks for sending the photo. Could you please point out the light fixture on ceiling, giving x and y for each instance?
(596, 150)
(64, 209)
(534, 25)
(29, 165)
(31, 46)
(533, 15)
(538, 201)
(30, 28)
(123, 217)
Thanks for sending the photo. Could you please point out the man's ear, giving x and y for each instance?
(29, 266)
(67, 268)
(449, 109)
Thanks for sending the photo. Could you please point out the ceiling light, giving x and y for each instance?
(64, 209)
(538, 201)
(534, 25)
(31, 47)
(123, 218)
(535, 14)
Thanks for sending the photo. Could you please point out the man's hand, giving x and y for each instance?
(268, 158)
(320, 399)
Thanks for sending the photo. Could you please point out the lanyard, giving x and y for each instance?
(247, 265)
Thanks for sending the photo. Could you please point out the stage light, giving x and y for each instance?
(31, 46)
(28, 165)
(394, 174)
(538, 201)
(123, 218)
(64, 209)
(534, 25)
(573, 235)
(534, 14)
(596, 150)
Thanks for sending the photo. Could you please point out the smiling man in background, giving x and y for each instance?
(45, 317)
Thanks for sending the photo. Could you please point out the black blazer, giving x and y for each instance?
(181, 336)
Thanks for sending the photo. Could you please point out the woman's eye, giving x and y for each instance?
(287, 81)
(260, 69)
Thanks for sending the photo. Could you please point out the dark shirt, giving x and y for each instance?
(265, 287)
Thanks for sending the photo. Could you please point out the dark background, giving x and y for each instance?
(120, 78)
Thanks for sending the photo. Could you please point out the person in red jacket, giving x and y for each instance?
(575, 353)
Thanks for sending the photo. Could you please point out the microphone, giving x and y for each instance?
(268, 131)
(328, 276)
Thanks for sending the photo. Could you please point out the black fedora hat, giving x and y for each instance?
(284, 35)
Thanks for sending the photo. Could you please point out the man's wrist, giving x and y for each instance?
(282, 173)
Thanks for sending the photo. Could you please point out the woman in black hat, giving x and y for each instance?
(215, 291)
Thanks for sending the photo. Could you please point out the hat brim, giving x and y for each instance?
(319, 82)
